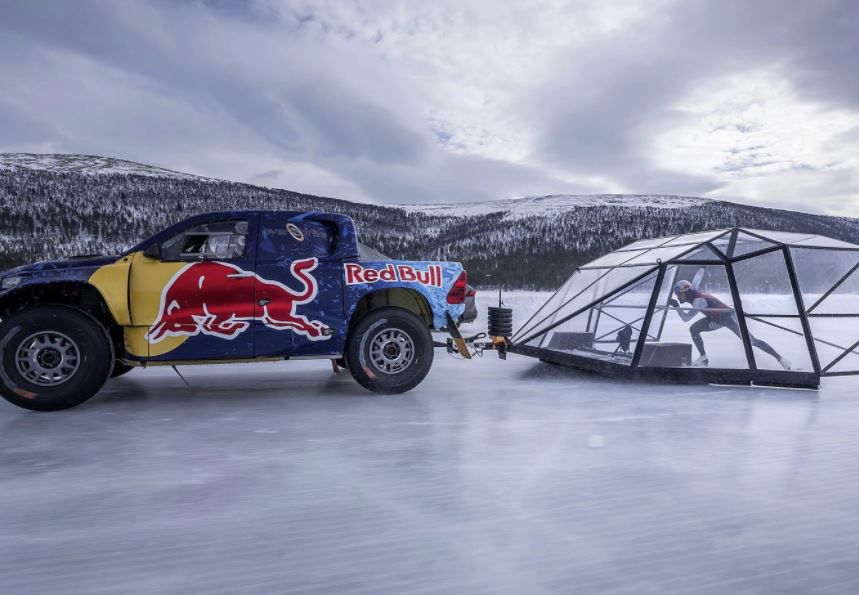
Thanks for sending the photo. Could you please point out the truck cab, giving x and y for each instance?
(222, 287)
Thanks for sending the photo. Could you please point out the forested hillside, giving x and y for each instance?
(46, 213)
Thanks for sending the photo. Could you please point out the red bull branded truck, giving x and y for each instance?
(238, 286)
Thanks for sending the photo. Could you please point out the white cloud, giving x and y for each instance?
(766, 143)
(450, 100)
(468, 62)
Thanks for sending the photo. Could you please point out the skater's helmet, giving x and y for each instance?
(682, 287)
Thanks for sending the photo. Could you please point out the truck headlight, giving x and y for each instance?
(10, 282)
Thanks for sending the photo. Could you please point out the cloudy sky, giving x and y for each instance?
(450, 100)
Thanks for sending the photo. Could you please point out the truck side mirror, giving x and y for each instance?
(153, 251)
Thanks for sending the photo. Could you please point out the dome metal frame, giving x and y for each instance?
(639, 263)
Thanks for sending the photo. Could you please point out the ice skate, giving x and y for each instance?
(701, 362)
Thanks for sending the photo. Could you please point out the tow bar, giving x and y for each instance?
(456, 343)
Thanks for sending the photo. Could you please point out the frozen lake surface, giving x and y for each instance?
(491, 477)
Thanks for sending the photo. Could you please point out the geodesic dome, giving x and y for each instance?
(794, 298)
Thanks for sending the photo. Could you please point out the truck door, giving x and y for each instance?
(192, 294)
(299, 287)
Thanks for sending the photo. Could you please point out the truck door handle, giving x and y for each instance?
(263, 301)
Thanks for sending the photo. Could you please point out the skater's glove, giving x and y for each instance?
(673, 303)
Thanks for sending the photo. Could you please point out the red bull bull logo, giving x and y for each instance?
(221, 300)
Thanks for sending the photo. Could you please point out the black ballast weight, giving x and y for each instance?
(500, 321)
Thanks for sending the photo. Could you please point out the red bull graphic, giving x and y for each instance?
(221, 300)
(392, 273)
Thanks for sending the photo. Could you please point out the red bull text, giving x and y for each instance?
(357, 274)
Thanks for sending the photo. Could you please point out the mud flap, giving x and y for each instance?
(458, 341)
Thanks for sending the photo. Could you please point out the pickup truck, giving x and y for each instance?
(222, 287)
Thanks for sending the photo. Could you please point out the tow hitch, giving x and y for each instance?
(475, 345)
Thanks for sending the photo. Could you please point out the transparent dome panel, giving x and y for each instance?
(828, 280)
(845, 364)
(704, 253)
(608, 331)
(764, 285)
(779, 344)
(844, 299)
(824, 242)
(746, 244)
(722, 243)
(648, 243)
(697, 238)
(833, 337)
(613, 259)
(559, 339)
(783, 237)
(818, 271)
(582, 298)
(697, 323)
(664, 254)
(578, 282)
(661, 304)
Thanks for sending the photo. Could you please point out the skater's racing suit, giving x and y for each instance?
(717, 314)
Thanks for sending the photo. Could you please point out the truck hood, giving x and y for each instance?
(75, 262)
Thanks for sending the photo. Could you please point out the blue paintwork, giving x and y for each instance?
(204, 347)
(278, 249)
(436, 297)
(269, 254)
(56, 271)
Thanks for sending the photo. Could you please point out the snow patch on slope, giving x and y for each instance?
(88, 164)
(543, 205)
(512, 208)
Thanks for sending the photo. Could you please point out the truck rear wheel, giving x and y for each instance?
(52, 357)
(390, 350)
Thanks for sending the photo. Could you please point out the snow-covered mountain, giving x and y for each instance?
(59, 205)
(87, 164)
(516, 208)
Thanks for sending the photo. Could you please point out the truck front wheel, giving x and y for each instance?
(390, 350)
(52, 357)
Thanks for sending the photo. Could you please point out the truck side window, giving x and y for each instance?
(299, 238)
(321, 236)
(219, 240)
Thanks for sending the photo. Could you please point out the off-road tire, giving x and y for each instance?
(89, 340)
(381, 330)
(120, 369)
